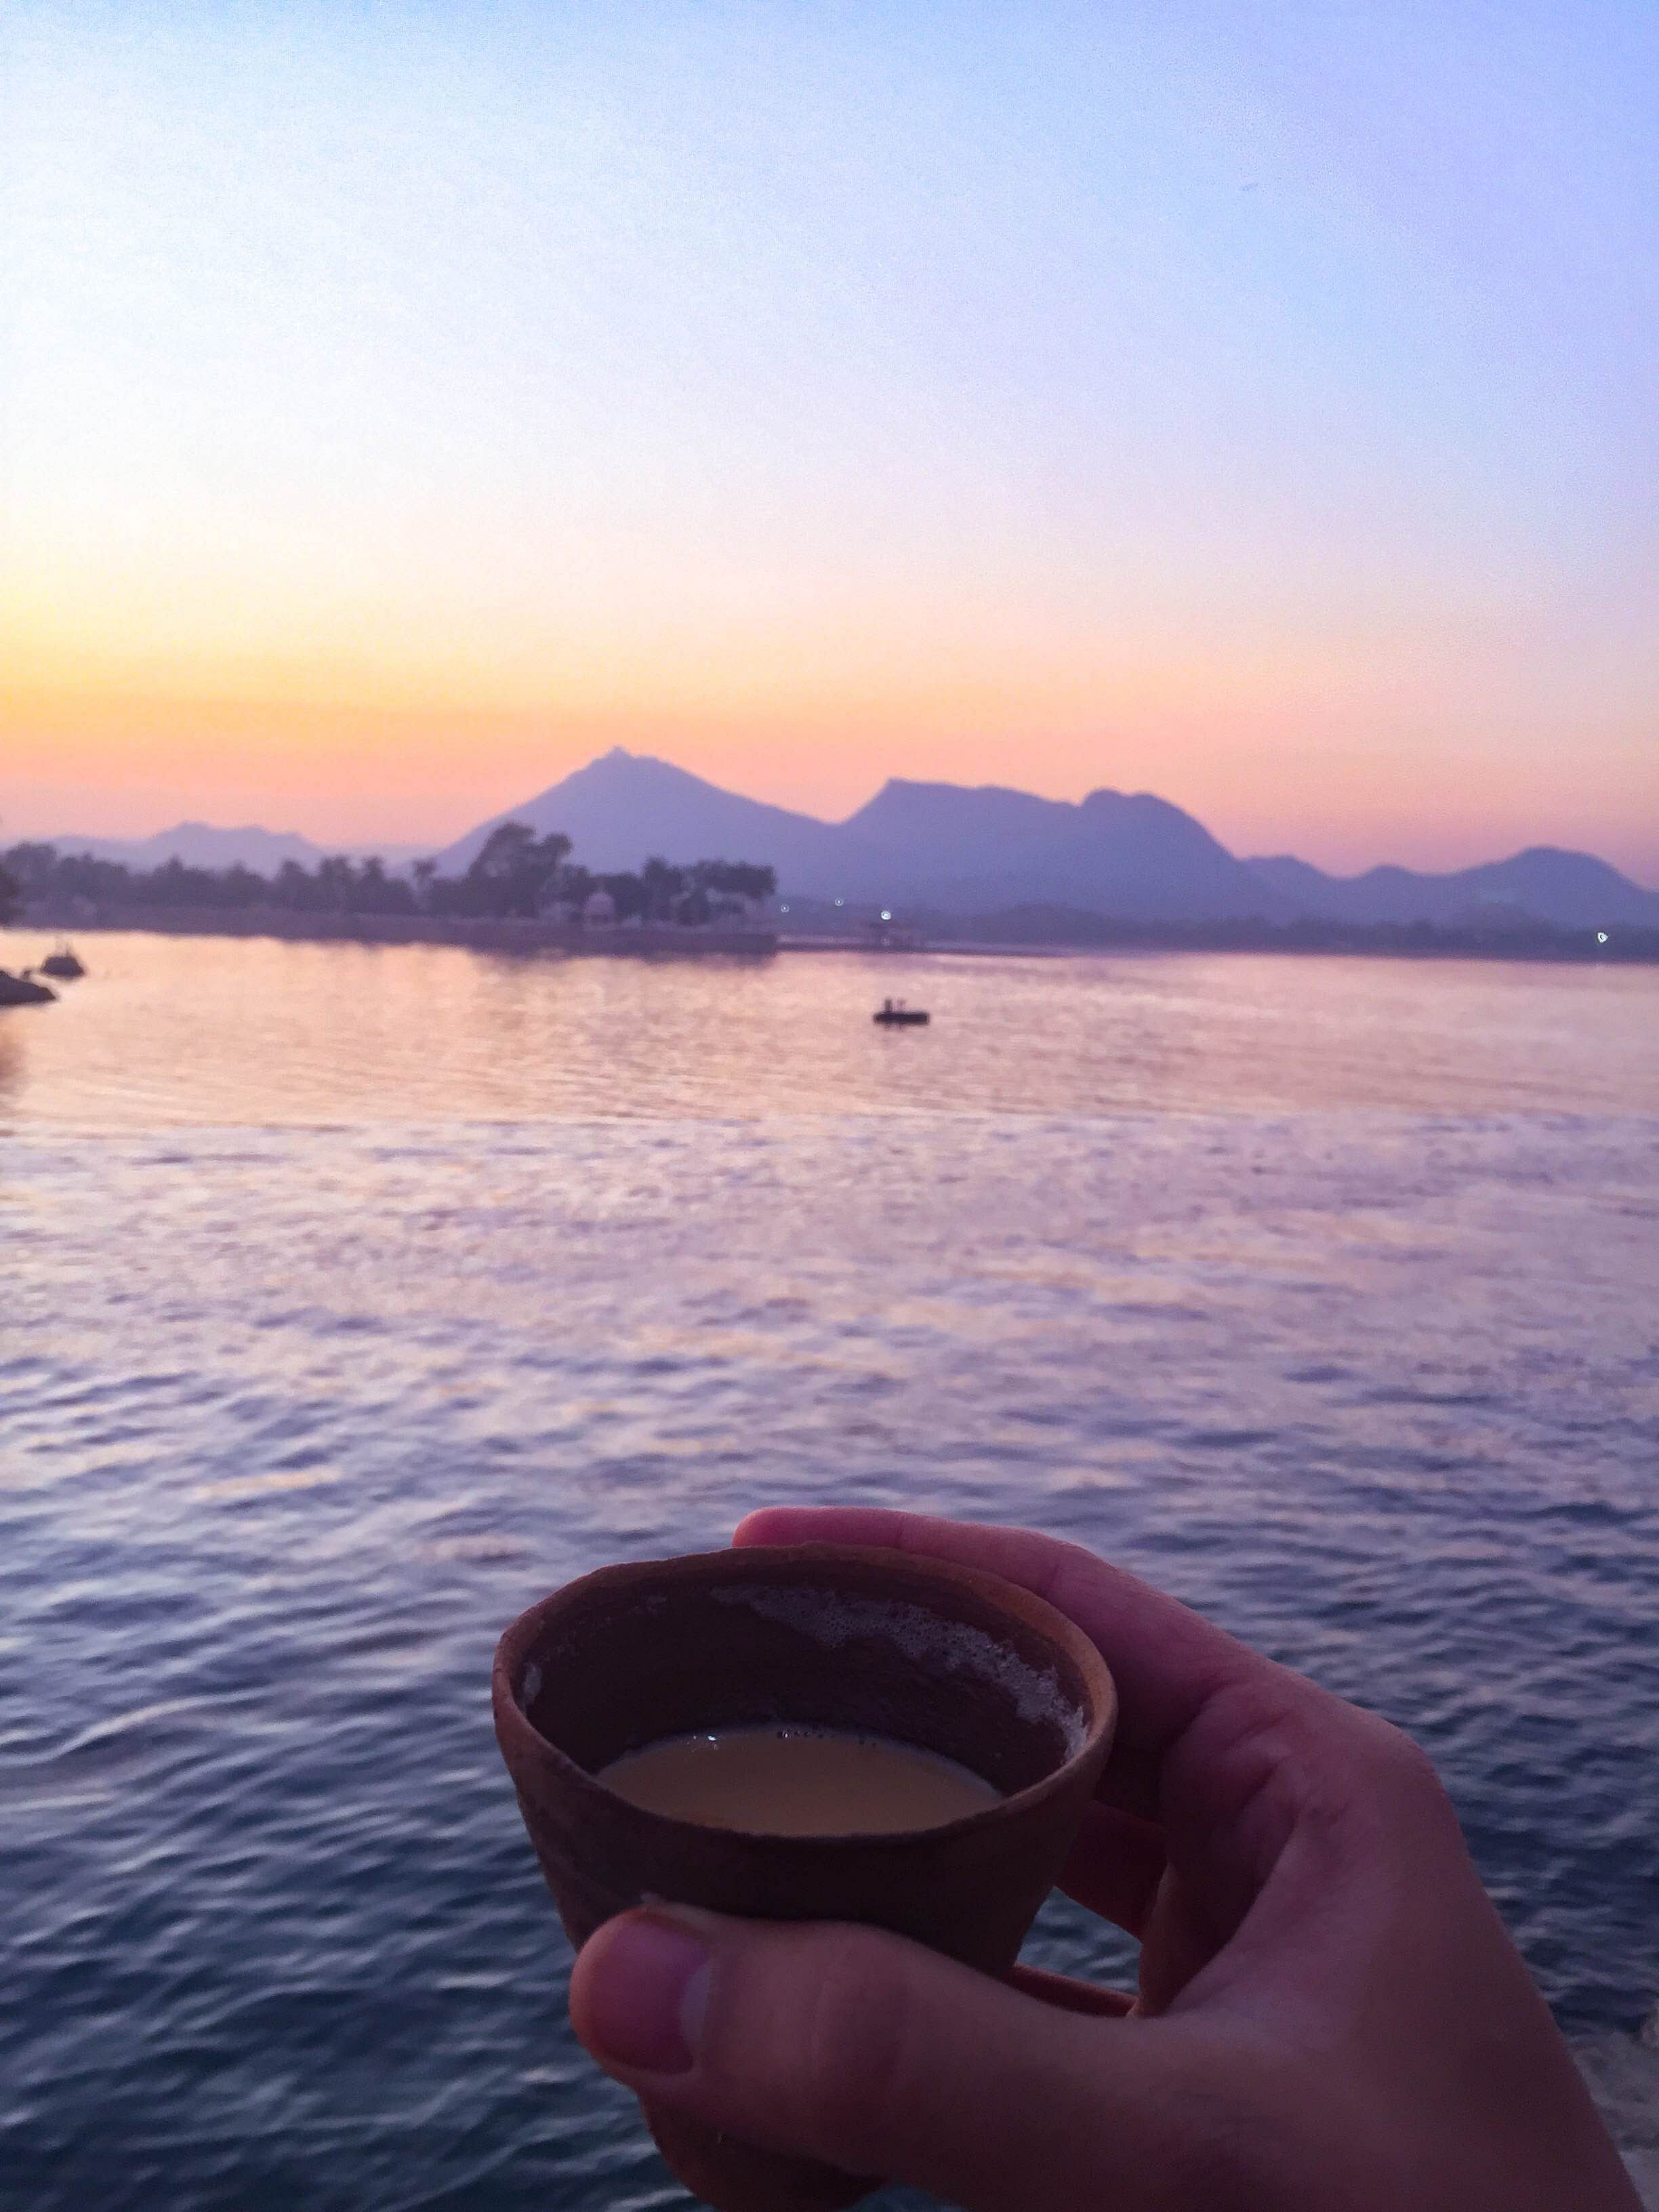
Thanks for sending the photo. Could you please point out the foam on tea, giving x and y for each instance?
(784, 1781)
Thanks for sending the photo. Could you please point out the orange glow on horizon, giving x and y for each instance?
(1259, 768)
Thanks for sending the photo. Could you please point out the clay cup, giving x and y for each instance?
(837, 1635)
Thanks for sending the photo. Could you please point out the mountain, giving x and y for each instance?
(200, 845)
(978, 826)
(1136, 857)
(624, 806)
(964, 849)
(204, 845)
(940, 845)
(1574, 890)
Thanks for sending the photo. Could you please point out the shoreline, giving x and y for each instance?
(633, 941)
(505, 934)
(989, 949)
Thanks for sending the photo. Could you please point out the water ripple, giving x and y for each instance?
(297, 1417)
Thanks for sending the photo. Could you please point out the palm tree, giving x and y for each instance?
(662, 883)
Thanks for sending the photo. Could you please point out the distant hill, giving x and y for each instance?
(204, 845)
(1574, 889)
(979, 827)
(963, 850)
(955, 848)
(624, 806)
(946, 846)
(960, 849)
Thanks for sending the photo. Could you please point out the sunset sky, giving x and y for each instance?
(1253, 405)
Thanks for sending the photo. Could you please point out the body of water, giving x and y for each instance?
(356, 1296)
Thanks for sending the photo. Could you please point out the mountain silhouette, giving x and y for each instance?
(980, 849)
(624, 806)
(1574, 889)
(979, 826)
(205, 845)
(941, 845)
(201, 845)
(1134, 856)
(968, 849)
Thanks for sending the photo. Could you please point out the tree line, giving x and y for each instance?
(513, 873)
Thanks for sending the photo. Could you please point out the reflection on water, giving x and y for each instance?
(398, 1285)
(11, 1057)
(253, 1031)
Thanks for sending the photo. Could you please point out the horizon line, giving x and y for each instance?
(417, 848)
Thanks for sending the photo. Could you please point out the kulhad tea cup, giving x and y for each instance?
(836, 1637)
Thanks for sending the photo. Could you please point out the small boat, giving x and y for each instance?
(63, 963)
(894, 1014)
(23, 990)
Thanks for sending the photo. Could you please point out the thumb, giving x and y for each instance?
(879, 2056)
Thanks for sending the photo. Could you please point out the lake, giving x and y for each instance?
(354, 1296)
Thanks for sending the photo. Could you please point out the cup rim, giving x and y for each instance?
(911, 1568)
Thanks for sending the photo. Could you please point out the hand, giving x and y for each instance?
(1330, 2016)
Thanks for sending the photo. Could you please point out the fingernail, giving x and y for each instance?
(649, 1993)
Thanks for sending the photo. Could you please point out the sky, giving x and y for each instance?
(400, 404)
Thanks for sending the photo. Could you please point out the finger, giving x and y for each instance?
(877, 2056)
(1115, 1865)
(1180, 1942)
(1132, 1783)
(1072, 1995)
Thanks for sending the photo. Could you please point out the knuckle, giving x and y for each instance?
(1403, 1763)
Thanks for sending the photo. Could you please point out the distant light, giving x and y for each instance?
(1600, 936)
(783, 909)
(841, 902)
(885, 915)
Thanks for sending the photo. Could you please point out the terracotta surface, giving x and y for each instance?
(958, 1661)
